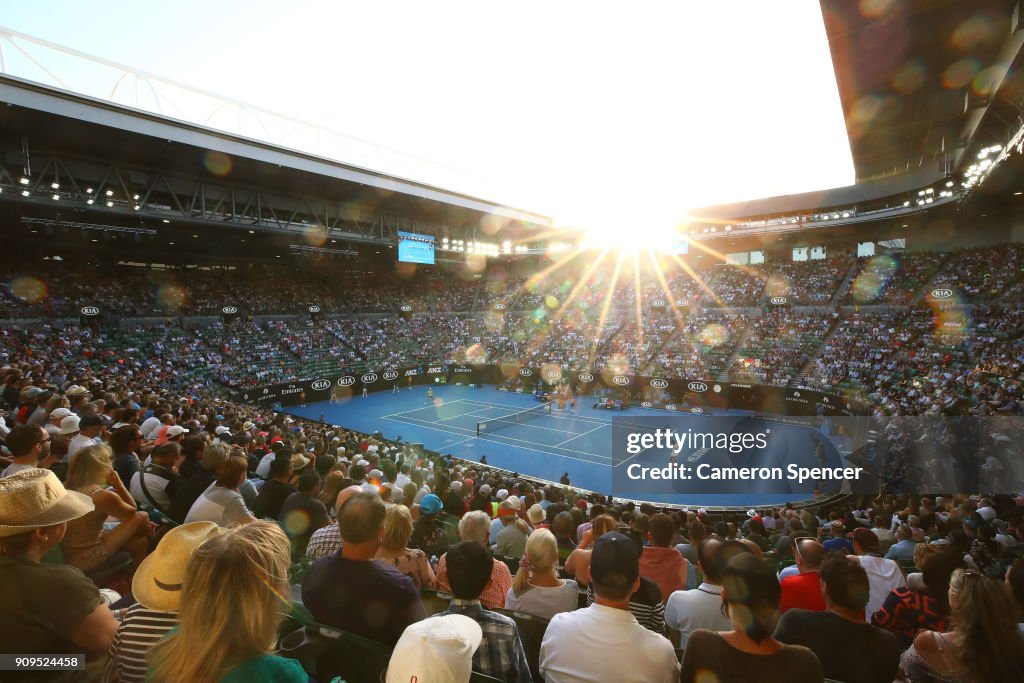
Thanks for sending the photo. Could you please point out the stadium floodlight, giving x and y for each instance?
(55, 196)
(88, 190)
(135, 197)
(949, 183)
(54, 185)
(24, 180)
(110, 193)
(25, 193)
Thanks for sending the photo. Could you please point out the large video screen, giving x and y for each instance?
(413, 248)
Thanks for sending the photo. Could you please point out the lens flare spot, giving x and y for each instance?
(551, 373)
(314, 235)
(551, 302)
(172, 296)
(713, 335)
(491, 224)
(909, 78)
(875, 8)
(987, 80)
(217, 163)
(778, 285)
(28, 289)
(510, 368)
(975, 30)
(476, 263)
(706, 676)
(297, 522)
(960, 73)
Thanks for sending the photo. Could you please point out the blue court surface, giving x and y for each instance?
(545, 445)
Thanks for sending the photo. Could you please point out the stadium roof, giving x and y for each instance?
(905, 71)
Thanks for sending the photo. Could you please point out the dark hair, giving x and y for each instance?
(308, 481)
(469, 569)
(193, 447)
(727, 551)
(23, 438)
(361, 517)
(936, 568)
(357, 472)
(750, 586)
(1015, 578)
(562, 524)
(846, 581)
(707, 555)
(167, 449)
(662, 528)
(123, 436)
(696, 531)
(280, 466)
(324, 464)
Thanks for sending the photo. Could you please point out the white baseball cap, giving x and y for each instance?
(175, 430)
(438, 648)
(59, 413)
(69, 425)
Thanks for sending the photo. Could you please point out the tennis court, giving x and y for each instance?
(538, 443)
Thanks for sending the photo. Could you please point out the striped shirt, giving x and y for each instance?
(139, 631)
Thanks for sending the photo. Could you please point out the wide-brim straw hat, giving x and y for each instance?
(157, 582)
(35, 498)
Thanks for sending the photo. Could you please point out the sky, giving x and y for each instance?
(601, 115)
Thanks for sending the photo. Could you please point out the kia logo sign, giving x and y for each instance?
(391, 374)
(368, 378)
(585, 377)
(942, 293)
(525, 372)
(553, 375)
(697, 411)
(682, 302)
(621, 380)
(697, 386)
(645, 404)
(90, 310)
(320, 385)
(659, 383)
(499, 307)
(778, 300)
(658, 303)
(314, 309)
(406, 308)
(670, 406)
(346, 381)
(584, 304)
(229, 310)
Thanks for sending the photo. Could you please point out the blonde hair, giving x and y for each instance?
(542, 553)
(397, 527)
(602, 525)
(90, 466)
(232, 602)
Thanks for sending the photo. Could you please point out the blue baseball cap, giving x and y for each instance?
(431, 504)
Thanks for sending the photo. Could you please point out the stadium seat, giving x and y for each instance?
(435, 601)
(531, 633)
(326, 652)
(477, 677)
(511, 562)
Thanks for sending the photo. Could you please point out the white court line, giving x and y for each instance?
(581, 418)
(579, 435)
(448, 430)
(404, 412)
(452, 417)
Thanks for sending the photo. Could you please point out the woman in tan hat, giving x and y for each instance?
(86, 544)
(233, 597)
(157, 587)
(47, 608)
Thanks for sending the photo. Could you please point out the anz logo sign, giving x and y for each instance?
(368, 378)
(525, 372)
(229, 310)
(90, 310)
(390, 375)
(585, 377)
(778, 300)
(659, 383)
(346, 381)
(621, 380)
(320, 384)
(942, 293)
(314, 309)
(698, 387)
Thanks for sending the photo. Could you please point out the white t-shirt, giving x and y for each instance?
(545, 601)
(155, 484)
(150, 427)
(14, 468)
(602, 643)
(219, 505)
(78, 443)
(687, 611)
(263, 467)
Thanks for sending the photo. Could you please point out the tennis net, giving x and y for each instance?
(491, 425)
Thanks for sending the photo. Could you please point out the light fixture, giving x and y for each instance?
(24, 193)
(89, 201)
(110, 193)
(137, 207)
(166, 221)
(110, 203)
(54, 185)
(24, 180)
(88, 190)
(1017, 194)
(55, 196)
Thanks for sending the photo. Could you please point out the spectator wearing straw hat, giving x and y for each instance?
(157, 588)
(47, 608)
